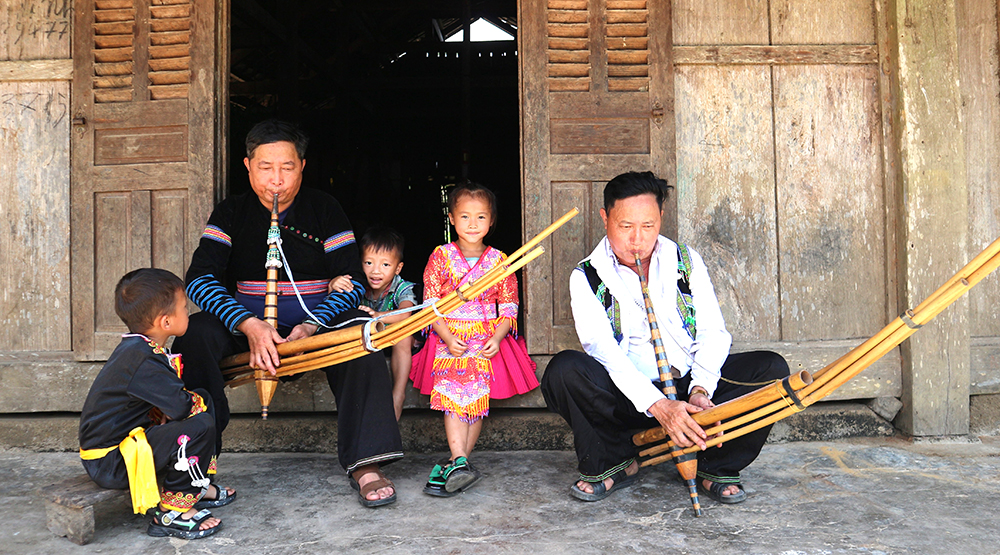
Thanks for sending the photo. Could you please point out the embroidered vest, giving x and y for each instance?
(685, 301)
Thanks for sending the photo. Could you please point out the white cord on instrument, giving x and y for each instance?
(298, 296)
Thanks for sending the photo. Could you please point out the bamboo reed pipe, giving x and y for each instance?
(357, 348)
(739, 405)
(848, 366)
(303, 345)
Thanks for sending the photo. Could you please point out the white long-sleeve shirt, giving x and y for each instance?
(631, 363)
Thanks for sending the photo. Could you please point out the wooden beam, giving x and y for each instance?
(778, 55)
(37, 70)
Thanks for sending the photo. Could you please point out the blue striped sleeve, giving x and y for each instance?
(211, 296)
(336, 303)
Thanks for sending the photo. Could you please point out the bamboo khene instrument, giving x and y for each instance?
(687, 464)
(771, 403)
(266, 382)
(359, 341)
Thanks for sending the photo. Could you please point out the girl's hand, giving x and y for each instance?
(340, 284)
(456, 347)
(491, 348)
(368, 310)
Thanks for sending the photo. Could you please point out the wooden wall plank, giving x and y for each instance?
(725, 189)
(170, 231)
(35, 29)
(37, 70)
(780, 54)
(34, 204)
(567, 254)
(830, 201)
(822, 22)
(979, 67)
(729, 22)
(111, 256)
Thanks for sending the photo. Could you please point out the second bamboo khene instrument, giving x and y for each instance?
(356, 342)
(773, 402)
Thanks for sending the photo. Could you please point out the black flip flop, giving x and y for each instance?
(621, 479)
(715, 492)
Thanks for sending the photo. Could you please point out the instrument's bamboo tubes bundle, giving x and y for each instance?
(351, 344)
(266, 383)
(761, 408)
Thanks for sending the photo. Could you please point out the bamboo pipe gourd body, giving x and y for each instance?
(687, 464)
(267, 383)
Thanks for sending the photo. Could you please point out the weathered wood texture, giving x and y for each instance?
(35, 29)
(822, 22)
(36, 70)
(143, 152)
(936, 373)
(725, 188)
(69, 507)
(830, 202)
(979, 68)
(597, 100)
(34, 177)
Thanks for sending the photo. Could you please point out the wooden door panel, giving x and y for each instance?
(597, 101)
(144, 147)
(725, 190)
(830, 201)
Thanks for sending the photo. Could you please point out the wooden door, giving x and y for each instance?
(143, 148)
(596, 101)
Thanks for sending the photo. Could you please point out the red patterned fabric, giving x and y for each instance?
(464, 385)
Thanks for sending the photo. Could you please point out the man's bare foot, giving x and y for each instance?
(588, 487)
(369, 473)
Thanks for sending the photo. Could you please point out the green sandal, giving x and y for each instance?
(461, 476)
(438, 479)
(170, 523)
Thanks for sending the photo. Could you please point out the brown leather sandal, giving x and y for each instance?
(381, 482)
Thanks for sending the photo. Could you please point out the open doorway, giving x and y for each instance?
(395, 110)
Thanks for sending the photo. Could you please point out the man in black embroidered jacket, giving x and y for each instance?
(227, 280)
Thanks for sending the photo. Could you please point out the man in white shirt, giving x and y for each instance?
(613, 389)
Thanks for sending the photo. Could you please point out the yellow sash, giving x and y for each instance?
(138, 458)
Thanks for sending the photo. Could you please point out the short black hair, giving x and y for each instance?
(631, 184)
(274, 131)
(142, 295)
(476, 191)
(382, 239)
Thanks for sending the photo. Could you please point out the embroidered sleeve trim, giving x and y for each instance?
(339, 240)
(216, 234)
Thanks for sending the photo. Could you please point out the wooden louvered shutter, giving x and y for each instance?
(597, 101)
(143, 143)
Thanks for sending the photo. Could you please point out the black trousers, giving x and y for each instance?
(178, 491)
(603, 420)
(367, 431)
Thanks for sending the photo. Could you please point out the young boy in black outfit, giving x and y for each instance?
(139, 423)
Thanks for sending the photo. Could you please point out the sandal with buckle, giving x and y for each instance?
(715, 492)
(379, 483)
(170, 523)
(438, 479)
(461, 476)
(621, 481)
(222, 498)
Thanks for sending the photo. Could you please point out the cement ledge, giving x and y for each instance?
(423, 432)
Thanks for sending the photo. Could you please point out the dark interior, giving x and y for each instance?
(395, 114)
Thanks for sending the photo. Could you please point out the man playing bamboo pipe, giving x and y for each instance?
(613, 388)
(226, 279)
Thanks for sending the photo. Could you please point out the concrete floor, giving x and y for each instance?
(875, 496)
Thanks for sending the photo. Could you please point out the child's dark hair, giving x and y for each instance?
(633, 184)
(382, 239)
(143, 295)
(476, 191)
(274, 131)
